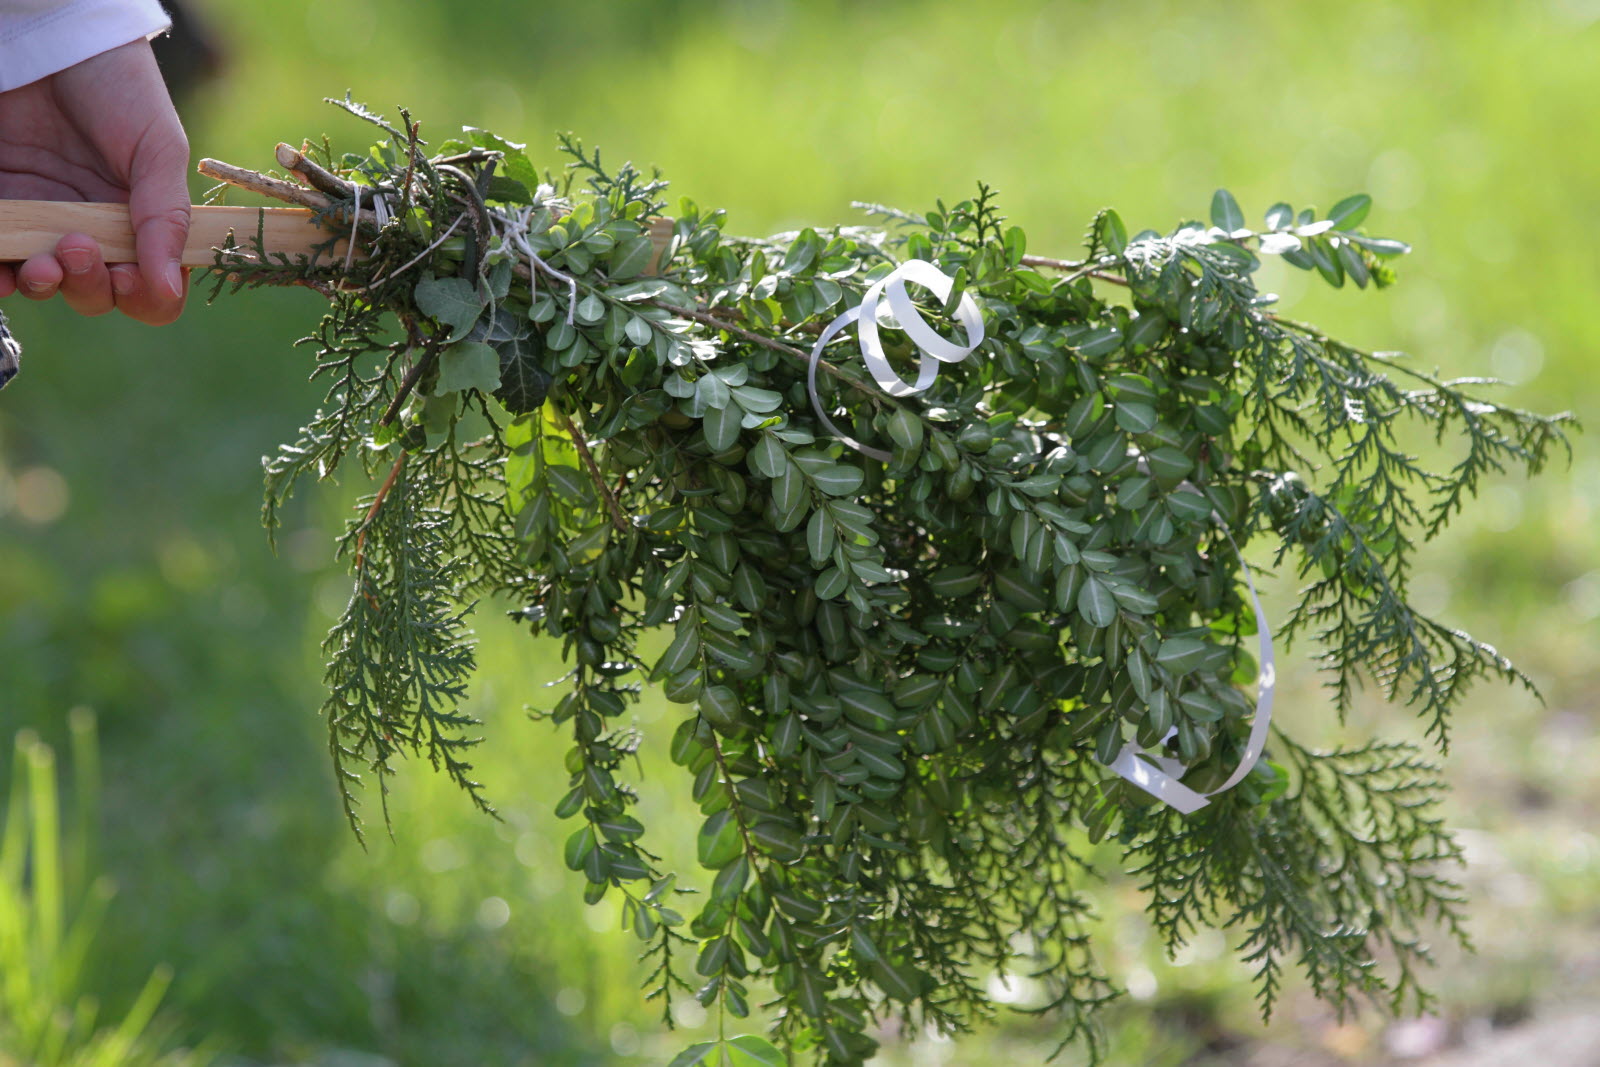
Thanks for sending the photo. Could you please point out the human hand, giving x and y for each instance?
(104, 130)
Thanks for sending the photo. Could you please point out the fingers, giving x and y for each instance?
(85, 283)
(119, 102)
(158, 202)
(40, 277)
(79, 273)
(136, 300)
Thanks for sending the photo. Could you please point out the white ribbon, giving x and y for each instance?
(933, 348)
(1158, 775)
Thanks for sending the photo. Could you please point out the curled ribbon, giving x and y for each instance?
(933, 349)
(1158, 775)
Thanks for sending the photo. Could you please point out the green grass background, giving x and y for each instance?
(134, 577)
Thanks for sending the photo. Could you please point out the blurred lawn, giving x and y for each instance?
(134, 577)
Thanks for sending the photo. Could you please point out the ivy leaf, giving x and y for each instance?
(452, 301)
(468, 365)
(523, 379)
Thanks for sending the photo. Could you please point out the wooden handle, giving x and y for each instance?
(28, 227)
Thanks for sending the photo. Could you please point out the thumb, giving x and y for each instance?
(119, 101)
(158, 206)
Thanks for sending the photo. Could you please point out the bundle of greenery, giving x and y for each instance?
(909, 633)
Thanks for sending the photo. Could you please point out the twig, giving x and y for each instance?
(472, 155)
(473, 200)
(377, 502)
(1052, 264)
(264, 184)
(1079, 268)
(709, 319)
(313, 173)
(412, 154)
(618, 519)
(418, 258)
(409, 382)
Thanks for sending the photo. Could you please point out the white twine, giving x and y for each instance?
(932, 348)
(517, 231)
(380, 213)
(355, 229)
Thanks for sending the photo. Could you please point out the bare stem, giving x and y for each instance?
(312, 173)
(1079, 268)
(264, 184)
(792, 352)
(409, 382)
(618, 519)
(377, 502)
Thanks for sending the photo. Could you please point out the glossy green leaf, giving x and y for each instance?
(719, 842)
(838, 480)
(1095, 602)
(631, 257)
(1348, 213)
(1225, 213)
(1180, 655)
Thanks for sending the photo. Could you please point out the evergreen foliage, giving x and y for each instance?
(900, 680)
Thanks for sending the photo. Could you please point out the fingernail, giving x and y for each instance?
(76, 260)
(123, 283)
(173, 276)
(38, 287)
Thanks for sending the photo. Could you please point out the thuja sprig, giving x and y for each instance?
(899, 683)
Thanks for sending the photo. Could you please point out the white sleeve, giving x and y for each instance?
(40, 37)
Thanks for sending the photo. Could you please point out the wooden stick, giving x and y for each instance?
(31, 227)
(661, 231)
